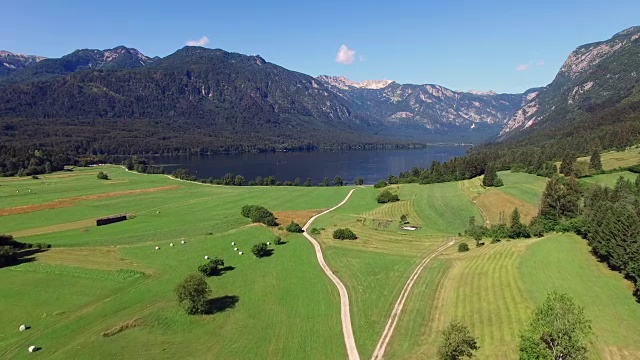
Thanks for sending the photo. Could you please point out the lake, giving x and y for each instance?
(372, 165)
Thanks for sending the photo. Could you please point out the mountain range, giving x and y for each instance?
(199, 99)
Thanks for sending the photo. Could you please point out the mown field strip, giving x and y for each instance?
(378, 353)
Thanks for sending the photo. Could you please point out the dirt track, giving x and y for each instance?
(67, 202)
(347, 331)
(378, 354)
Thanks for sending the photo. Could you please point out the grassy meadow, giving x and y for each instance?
(95, 279)
(111, 280)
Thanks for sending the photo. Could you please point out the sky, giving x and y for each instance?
(505, 46)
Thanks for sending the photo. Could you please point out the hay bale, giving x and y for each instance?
(171, 244)
(33, 349)
(157, 247)
(158, 212)
(240, 253)
(233, 243)
(23, 327)
(268, 243)
(182, 242)
(235, 249)
(206, 257)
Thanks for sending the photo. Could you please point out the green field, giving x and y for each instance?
(97, 279)
(616, 159)
(70, 300)
(494, 288)
(375, 267)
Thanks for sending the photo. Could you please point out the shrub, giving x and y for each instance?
(386, 196)
(463, 247)
(211, 267)
(35, 177)
(344, 234)
(380, 184)
(278, 240)
(294, 228)
(103, 176)
(259, 214)
(260, 250)
(193, 293)
(495, 240)
(315, 231)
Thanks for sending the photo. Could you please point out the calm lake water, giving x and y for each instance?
(372, 165)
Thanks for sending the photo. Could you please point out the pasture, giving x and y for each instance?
(97, 279)
(494, 288)
(375, 267)
(617, 159)
(111, 280)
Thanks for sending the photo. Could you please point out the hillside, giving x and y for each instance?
(196, 98)
(595, 76)
(40, 68)
(11, 63)
(468, 116)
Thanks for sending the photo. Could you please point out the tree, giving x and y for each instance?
(326, 181)
(294, 228)
(380, 184)
(387, 196)
(211, 267)
(463, 247)
(103, 176)
(277, 240)
(359, 180)
(259, 214)
(517, 229)
(490, 175)
(308, 183)
(558, 330)
(193, 293)
(457, 342)
(344, 234)
(595, 162)
(566, 167)
(297, 182)
(403, 219)
(239, 180)
(260, 250)
(337, 181)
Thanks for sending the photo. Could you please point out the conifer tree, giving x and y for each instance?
(595, 162)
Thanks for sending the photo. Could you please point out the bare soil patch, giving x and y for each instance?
(67, 202)
(299, 216)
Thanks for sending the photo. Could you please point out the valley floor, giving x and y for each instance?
(97, 279)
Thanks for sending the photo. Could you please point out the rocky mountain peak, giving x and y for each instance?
(345, 83)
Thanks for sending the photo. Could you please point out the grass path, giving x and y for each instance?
(347, 330)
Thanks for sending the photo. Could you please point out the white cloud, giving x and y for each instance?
(203, 41)
(540, 62)
(522, 67)
(345, 55)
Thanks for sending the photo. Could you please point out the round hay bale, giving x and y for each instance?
(233, 243)
(235, 249)
(157, 247)
(23, 327)
(32, 349)
(171, 244)
(182, 242)
(240, 253)
(206, 257)
(158, 212)
(268, 243)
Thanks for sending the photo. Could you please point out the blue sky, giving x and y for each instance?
(507, 46)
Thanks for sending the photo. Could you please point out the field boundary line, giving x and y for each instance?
(378, 354)
(347, 330)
